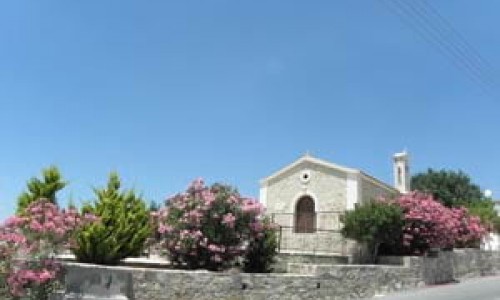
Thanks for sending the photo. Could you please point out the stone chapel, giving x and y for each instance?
(308, 198)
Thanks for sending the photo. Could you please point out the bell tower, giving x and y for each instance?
(402, 172)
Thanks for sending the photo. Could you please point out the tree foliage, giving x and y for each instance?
(44, 188)
(123, 228)
(485, 210)
(449, 187)
(374, 223)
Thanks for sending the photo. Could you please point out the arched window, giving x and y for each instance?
(305, 215)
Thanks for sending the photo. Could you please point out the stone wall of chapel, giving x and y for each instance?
(326, 186)
(371, 191)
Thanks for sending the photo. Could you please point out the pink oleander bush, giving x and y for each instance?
(430, 224)
(209, 227)
(413, 224)
(29, 242)
(470, 230)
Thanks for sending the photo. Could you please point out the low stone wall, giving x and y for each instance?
(469, 263)
(85, 281)
(448, 266)
(305, 281)
(371, 279)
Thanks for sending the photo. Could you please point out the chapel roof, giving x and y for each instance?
(307, 158)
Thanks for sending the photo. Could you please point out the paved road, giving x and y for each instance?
(486, 288)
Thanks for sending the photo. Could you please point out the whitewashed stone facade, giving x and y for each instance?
(332, 188)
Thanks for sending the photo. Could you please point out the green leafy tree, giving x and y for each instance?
(122, 230)
(451, 188)
(46, 187)
(485, 210)
(373, 224)
(496, 224)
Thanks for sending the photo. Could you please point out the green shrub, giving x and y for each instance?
(4, 288)
(262, 250)
(373, 224)
(122, 230)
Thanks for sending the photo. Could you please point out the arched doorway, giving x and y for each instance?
(305, 215)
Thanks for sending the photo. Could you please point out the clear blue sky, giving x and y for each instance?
(165, 91)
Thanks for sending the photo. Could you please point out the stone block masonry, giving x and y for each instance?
(99, 282)
(448, 266)
(308, 281)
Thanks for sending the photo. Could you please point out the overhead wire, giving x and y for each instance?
(468, 47)
(430, 25)
(447, 33)
(431, 34)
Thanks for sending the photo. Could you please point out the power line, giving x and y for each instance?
(430, 25)
(469, 48)
(432, 35)
(447, 33)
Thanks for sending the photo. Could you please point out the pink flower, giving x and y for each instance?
(229, 219)
(162, 229)
(252, 206)
(208, 197)
(45, 276)
(198, 184)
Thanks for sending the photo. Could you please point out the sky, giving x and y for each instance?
(166, 91)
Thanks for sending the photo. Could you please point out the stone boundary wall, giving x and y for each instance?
(470, 263)
(448, 266)
(444, 267)
(368, 279)
(309, 281)
(85, 281)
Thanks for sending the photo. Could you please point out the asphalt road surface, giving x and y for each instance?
(486, 288)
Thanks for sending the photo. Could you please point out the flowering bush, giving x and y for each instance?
(35, 279)
(430, 224)
(470, 228)
(209, 227)
(262, 249)
(412, 224)
(28, 245)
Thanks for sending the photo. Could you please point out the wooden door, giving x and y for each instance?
(305, 215)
